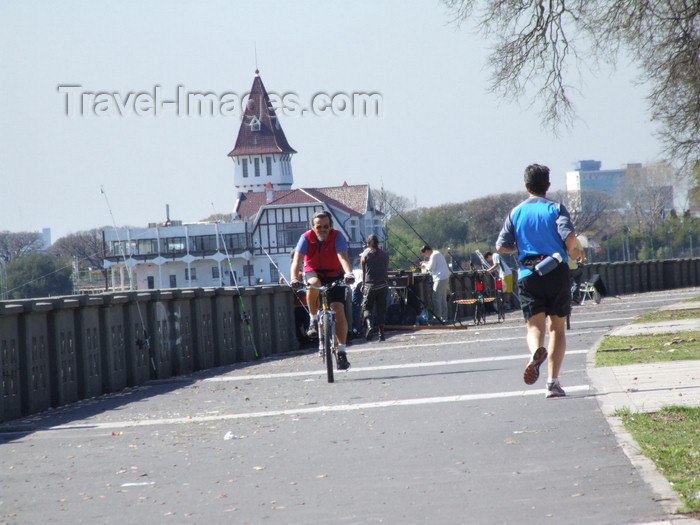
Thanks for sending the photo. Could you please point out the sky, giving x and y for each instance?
(86, 86)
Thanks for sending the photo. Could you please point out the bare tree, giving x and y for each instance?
(390, 203)
(538, 44)
(15, 245)
(588, 209)
(85, 247)
(648, 193)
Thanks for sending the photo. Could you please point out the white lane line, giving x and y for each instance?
(313, 410)
(453, 362)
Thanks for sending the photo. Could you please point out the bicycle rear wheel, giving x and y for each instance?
(327, 332)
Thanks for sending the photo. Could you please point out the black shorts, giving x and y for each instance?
(335, 295)
(549, 293)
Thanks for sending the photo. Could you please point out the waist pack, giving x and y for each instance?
(530, 261)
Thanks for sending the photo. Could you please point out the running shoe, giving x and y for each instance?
(532, 370)
(343, 363)
(313, 330)
(555, 390)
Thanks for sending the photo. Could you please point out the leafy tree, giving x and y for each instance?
(539, 43)
(14, 245)
(38, 275)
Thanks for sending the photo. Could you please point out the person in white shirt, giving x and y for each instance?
(437, 266)
(505, 274)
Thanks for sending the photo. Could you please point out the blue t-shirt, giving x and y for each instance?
(536, 226)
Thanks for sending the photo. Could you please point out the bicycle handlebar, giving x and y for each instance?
(329, 286)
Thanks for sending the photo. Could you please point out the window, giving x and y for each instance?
(146, 246)
(236, 241)
(215, 272)
(151, 282)
(274, 274)
(203, 243)
(173, 281)
(244, 163)
(256, 161)
(248, 270)
(288, 233)
(191, 273)
(173, 244)
(268, 166)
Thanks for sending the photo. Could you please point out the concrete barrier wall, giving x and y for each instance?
(59, 350)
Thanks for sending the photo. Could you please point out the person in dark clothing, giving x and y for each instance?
(375, 267)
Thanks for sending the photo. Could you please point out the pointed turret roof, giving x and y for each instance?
(260, 130)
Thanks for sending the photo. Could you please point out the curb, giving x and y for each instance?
(667, 497)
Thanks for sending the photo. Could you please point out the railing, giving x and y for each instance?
(56, 351)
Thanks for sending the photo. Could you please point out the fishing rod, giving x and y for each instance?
(454, 258)
(420, 301)
(408, 223)
(296, 292)
(405, 244)
(414, 231)
(146, 341)
(244, 315)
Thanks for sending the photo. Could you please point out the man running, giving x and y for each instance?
(537, 228)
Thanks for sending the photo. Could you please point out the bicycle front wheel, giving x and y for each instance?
(328, 345)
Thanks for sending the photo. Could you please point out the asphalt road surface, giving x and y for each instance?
(431, 426)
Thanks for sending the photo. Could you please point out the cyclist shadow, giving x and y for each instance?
(426, 374)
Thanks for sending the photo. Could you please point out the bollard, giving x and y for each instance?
(180, 334)
(138, 340)
(62, 351)
(245, 348)
(10, 382)
(203, 329)
(159, 319)
(224, 326)
(34, 357)
(89, 348)
(113, 343)
(262, 320)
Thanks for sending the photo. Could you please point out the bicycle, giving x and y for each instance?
(327, 341)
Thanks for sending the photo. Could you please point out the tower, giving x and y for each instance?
(262, 154)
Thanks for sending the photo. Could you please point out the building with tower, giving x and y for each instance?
(268, 216)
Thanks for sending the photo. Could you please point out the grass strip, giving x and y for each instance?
(671, 439)
(668, 315)
(647, 348)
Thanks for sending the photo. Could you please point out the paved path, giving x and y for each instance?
(432, 426)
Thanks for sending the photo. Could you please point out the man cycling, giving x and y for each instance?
(324, 252)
